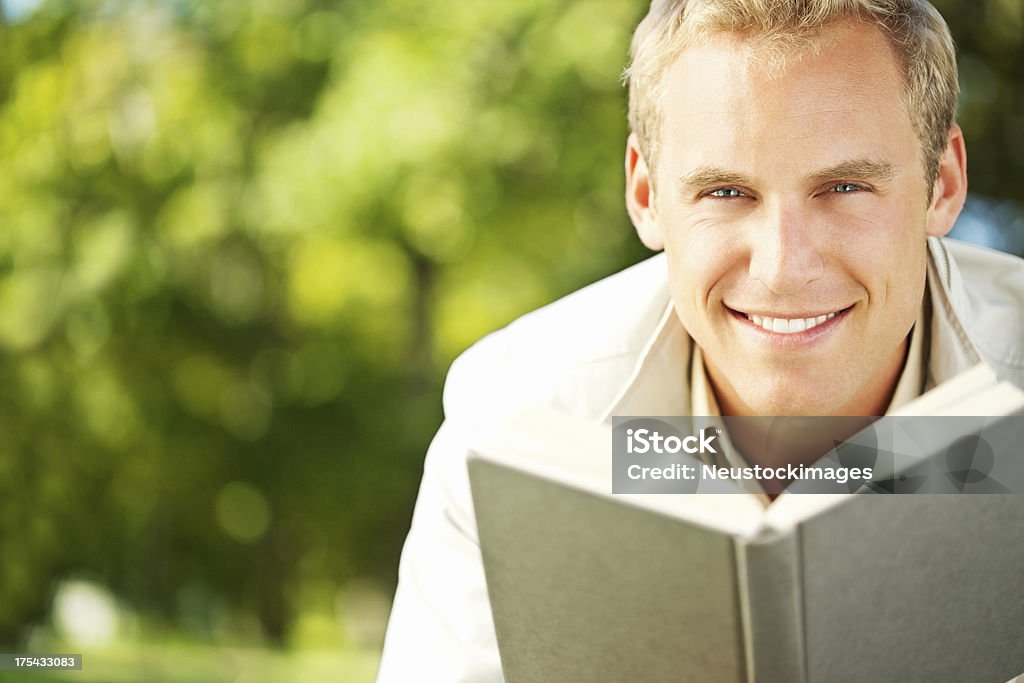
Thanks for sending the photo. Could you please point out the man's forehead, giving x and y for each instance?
(770, 54)
(773, 58)
(720, 98)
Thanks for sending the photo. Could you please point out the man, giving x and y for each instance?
(797, 162)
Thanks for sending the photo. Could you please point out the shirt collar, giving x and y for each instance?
(911, 382)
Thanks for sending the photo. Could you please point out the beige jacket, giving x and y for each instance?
(615, 348)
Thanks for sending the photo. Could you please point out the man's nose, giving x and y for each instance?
(785, 248)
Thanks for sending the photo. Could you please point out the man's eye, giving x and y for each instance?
(727, 192)
(845, 188)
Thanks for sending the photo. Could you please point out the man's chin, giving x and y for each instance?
(791, 400)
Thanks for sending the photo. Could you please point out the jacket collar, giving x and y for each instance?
(658, 384)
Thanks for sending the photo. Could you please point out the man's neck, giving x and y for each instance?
(771, 442)
(870, 400)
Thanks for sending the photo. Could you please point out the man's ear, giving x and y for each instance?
(640, 196)
(950, 190)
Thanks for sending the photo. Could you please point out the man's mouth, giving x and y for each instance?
(791, 325)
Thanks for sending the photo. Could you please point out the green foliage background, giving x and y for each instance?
(240, 243)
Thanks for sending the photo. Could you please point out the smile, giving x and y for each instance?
(781, 325)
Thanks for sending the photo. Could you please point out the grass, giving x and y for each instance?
(194, 663)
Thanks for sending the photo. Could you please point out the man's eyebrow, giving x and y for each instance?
(706, 176)
(856, 169)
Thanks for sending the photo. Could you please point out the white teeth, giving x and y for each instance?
(789, 325)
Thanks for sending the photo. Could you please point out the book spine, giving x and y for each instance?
(771, 606)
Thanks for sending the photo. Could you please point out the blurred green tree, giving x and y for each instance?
(241, 242)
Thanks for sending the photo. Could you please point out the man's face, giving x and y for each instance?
(793, 208)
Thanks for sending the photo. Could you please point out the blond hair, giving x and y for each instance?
(916, 31)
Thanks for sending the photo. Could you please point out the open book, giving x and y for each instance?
(590, 586)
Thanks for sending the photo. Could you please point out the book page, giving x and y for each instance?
(974, 393)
